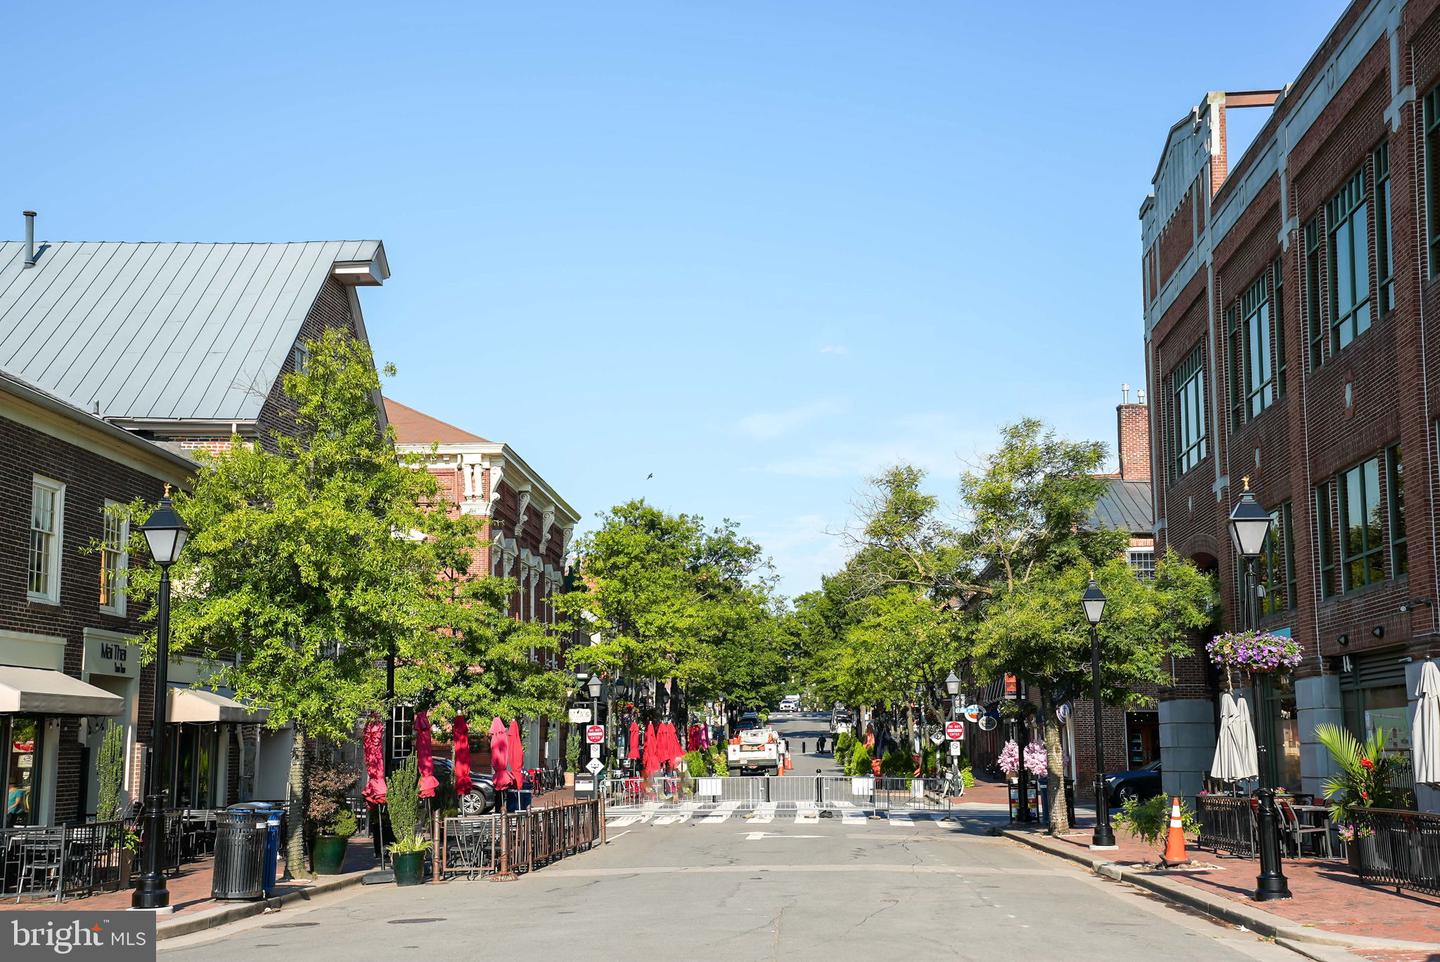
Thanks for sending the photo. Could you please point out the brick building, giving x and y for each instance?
(1285, 299)
(179, 347)
(527, 531)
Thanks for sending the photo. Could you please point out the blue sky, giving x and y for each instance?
(761, 250)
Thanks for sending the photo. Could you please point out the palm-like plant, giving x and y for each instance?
(1365, 774)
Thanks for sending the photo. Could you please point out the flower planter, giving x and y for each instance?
(329, 854)
(125, 863)
(409, 867)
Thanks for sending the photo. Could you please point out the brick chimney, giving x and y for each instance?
(1133, 440)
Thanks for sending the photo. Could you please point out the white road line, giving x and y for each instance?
(764, 813)
(613, 838)
(899, 818)
(806, 813)
(852, 816)
(627, 820)
(721, 813)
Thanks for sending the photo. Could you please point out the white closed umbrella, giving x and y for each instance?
(1425, 732)
(1227, 749)
(1249, 766)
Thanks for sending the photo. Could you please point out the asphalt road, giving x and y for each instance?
(739, 891)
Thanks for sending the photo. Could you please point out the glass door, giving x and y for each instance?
(21, 736)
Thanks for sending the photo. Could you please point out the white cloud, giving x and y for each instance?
(804, 547)
(941, 444)
(769, 425)
(834, 349)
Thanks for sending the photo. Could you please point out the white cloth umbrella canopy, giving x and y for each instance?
(1425, 732)
(1249, 755)
(1227, 748)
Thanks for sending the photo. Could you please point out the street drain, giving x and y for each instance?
(289, 925)
(412, 921)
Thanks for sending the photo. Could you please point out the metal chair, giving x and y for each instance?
(1297, 831)
(41, 863)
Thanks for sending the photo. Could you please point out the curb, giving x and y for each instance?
(1256, 920)
(224, 914)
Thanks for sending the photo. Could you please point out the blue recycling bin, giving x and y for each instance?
(272, 849)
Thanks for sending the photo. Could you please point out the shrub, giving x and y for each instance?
(897, 764)
(719, 764)
(697, 764)
(403, 800)
(859, 760)
(844, 743)
(111, 768)
(326, 783)
(967, 778)
(344, 824)
(1150, 819)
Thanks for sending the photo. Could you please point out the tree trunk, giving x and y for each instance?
(1055, 765)
(295, 840)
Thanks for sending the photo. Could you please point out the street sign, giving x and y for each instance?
(956, 748)
(594, 751)
(594, 766)
(579, 716)
(955, 731)
(936, 738)
(594, 734)
(972, 713)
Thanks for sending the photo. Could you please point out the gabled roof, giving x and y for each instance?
(1125, 506)
(414, 427)
(160, 331)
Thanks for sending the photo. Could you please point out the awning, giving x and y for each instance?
(43, 691)
(198, 705)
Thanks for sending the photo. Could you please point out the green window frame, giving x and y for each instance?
(1276, 567)
(1187, 393)
(1395, 505)
(1384, 251)
(1277, 311)
(1259, 366)
(1347, 220)
(1432, 167)
(1325, 532)
(1235, 367)
(1362, 545)
(1313, 317)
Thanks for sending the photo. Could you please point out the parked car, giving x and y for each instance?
(478, 801)
(840, 720)
(1138, 783)
(748, 721)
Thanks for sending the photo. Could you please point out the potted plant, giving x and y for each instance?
(109, 799)
(331, 823)
(1149, 820)
(329, 851)
(129, 848)
(1363, 781)
(1256, 652)
(407, 852)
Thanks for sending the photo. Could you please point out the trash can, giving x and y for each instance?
(240, 843)
(272, 848)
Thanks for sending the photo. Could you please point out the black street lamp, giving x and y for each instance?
(1249, 527)
(165, 534)
(1093, 601)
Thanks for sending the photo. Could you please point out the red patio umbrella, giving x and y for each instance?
(498, 764)
(463, 782)
(515, 755)
(634, 753)
(651, 759)
(374, 741)
(677, 750)
(425, 755)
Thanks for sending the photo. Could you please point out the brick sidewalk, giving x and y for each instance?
(1327, 896)
(190, 889)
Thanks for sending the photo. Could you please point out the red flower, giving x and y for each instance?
(1365, 796)
(1366, 763)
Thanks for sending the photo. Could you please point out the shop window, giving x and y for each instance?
(47, 518)
(21, 763)
(114, 559)
(1282, 720)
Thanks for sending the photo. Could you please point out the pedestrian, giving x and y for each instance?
(802, 746)
(820, 745)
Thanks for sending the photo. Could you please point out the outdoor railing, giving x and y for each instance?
(517, 842)
(1226, 822)
(1399, 848)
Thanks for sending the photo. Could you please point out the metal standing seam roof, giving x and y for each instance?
(162, 331)
(1125, 506)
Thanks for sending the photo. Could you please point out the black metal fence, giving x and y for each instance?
(1226, 822)
(1399, 848)
(517, 842)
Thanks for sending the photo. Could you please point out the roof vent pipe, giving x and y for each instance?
(29, 238)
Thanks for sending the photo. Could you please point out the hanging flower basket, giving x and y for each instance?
(1254, 651)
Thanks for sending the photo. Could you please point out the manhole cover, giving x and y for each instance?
(289, 925)
(413, 921)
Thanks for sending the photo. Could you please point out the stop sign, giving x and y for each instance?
(594, 734)
(955, 731)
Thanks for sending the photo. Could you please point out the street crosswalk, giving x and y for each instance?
(765, 813)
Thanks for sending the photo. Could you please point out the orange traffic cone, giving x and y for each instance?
(1175, 840)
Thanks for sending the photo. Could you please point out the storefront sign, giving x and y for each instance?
(109, 654)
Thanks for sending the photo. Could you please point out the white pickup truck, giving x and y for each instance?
(755, 751)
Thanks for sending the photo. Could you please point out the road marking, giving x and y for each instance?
(806, 813)
(721, 814)
(901, 819)
(613, 838)
(756, 836)
(852, 816)
(764, 813)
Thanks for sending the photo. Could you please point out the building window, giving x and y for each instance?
(1313, 316)
(1259, 370)
(1395, 501)
(1276, 567)
(300, 359)
(1187, 388)
(1347, 220)
(114, 559)
(1325, 529)
(1277, 311)
(1384, 253)
(1362, 548)
(1234, 368)
(402, 732)
(1432, 165)
(21, 754)
(1142, 560)
(47, 519)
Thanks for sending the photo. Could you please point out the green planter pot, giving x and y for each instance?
(329, 854)
(409, 867)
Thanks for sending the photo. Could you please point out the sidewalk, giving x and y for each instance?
(1330, 905)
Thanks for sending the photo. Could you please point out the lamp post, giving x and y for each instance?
(1249, 527)
(1093, 601)
(165, 534)
(952, 688)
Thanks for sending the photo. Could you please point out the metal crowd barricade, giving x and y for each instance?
(911, 795)
(841, 792)
(508, 844)
(1402, 848)
(1226, 822)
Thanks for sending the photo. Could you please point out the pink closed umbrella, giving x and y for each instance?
(498, 764)
(374, 742)
(634, 753)
(515, 753)
(650, 761)
(463, 782)
(425, 755)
